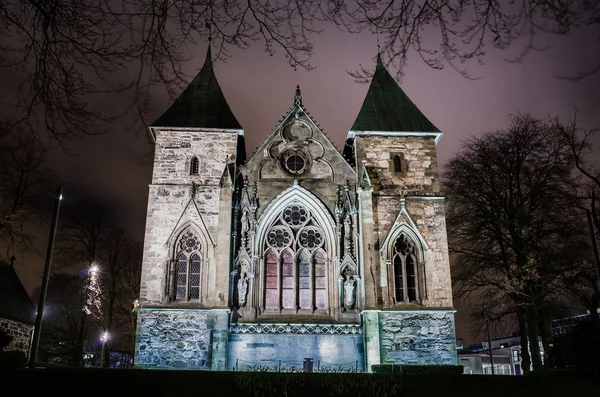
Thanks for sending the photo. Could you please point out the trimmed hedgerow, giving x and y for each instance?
(417, 369)
(258, 384)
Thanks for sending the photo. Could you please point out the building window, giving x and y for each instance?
(295, 162)
(188, 268)
(195, 166)
(405, 270)
(397, 163)
(295, 262)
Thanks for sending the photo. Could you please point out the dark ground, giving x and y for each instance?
(136, 382)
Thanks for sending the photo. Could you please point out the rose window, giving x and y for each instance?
(311, 238)
(189, 242)
(279, 238)
(295, 162)
(295, 215)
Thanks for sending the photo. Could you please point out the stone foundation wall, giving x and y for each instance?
(329, 352)
(418, 337)
(20, 332)
(181, 339)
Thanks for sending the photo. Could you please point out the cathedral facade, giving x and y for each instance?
(298, 255)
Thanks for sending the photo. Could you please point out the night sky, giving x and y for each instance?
(115, 169)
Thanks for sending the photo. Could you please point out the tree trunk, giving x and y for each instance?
(534, 336)
(525, 358)
(109, 324)
(545, 335)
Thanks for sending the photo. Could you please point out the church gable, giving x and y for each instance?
(298, 149)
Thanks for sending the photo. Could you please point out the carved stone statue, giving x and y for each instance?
(349, 295)
(245, 223)
(242, 287)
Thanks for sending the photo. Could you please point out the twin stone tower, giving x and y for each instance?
(298, 254)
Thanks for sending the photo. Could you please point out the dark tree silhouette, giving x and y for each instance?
(516, 232)
(24, 180)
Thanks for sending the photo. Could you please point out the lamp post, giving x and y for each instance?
(37, 330)
(103, 338)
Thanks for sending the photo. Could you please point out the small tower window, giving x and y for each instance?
(397, 163)
(195, 166)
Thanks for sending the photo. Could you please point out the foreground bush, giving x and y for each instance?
(417, 369)
(312, 384)
(12, 359)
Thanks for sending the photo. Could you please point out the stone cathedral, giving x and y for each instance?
(297, 255)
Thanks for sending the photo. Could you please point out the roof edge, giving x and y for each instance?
(238, 131)
(436, 134)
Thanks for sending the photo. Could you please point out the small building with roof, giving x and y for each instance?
(17, 313)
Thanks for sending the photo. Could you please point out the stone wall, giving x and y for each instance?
(329, 168)
(418, 183)
(337, 352)
(20, 332)
(429, 218)
(170, 192)
(181, 339)
(417, 337)
(420, 176)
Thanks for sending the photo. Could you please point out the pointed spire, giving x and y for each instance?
(202, 104)
(387, 107)
(298, 97)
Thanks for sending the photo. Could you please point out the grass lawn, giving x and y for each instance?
(65, 382)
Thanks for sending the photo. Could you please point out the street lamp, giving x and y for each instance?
(37, 330)
(103, 338)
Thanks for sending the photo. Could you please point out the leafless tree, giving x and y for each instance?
(586, 284)
(65, 331)
(24, 180)
(515, 230)
(121, 265)
(56, 55)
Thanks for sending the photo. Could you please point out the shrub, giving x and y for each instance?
(310, 384)
(12, 359)
(417, 369)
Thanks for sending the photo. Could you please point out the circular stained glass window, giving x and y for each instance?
(295, 215)
(295, 162)
(311, 238)
(279, 238)
(189, 242)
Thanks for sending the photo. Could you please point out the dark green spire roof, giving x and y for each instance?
(201, 104)
(388, 108)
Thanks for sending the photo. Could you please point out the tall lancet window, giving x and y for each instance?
(188, 268)
(295, 262)
(405, 270)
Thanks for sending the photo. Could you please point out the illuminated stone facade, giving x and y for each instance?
(19, 332)
(298, 253)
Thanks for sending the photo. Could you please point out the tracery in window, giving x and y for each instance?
(188, 267)
(295, 262)
(405, 261)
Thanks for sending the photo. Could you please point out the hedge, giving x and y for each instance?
(417, 369)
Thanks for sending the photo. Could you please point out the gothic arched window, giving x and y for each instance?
(295, 262)
(188, 267)
(195, 166)
(405, 270)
